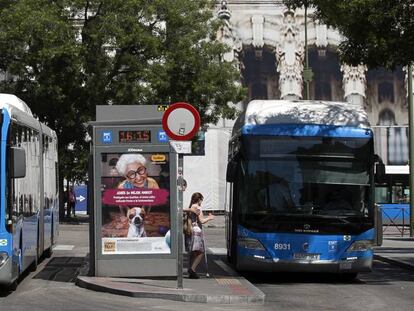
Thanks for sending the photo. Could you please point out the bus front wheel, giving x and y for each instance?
(12, 286)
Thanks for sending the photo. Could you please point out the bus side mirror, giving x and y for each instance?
(379, 170)
(17, 162)
(231, 171)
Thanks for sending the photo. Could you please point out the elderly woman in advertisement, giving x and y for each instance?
(133, 167)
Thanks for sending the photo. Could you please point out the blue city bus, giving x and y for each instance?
(392, 194)
(29, 210)
(302, 188)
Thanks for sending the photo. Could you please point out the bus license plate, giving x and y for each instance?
(303, 256)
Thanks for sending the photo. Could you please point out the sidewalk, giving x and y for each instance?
(223, 286)
(396, 250)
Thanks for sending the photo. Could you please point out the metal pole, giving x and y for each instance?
(411, 143)
(180, 222)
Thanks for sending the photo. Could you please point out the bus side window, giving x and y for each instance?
(407, 195)
(15, 205)
(21, 202)
(381, 195)
(398, 195)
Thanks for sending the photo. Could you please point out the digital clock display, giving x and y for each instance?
(142, 136)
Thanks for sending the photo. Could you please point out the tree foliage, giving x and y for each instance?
(64, 57)
(379, 33)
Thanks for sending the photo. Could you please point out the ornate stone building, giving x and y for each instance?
(268, 44)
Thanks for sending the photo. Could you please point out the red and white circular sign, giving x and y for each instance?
(181, 121)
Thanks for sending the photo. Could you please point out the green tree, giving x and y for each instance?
(379, 33)
(39, 52)
(64, 57)
(153, 52)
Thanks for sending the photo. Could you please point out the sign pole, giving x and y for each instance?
(411, 144)
(180, 222)
(181, 122)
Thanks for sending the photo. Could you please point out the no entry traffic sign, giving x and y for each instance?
(181, 121)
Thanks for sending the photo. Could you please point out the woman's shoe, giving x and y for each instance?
(192, 274)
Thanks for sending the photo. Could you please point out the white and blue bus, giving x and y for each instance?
(29, 211)
(393, 196)
(302, 188)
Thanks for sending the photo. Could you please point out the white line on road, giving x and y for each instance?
(217, 251)
(226, 267)
(62, 247)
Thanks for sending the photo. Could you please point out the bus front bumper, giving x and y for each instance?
(248, 263)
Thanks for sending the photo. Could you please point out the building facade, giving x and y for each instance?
(268, 45)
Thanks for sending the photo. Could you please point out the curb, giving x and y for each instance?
(259, 296)
(85, 282)
(104, 284)
(183, 295)
(395, 262)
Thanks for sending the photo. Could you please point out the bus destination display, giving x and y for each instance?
(141, 136)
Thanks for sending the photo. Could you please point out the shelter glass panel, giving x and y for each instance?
(135, 189)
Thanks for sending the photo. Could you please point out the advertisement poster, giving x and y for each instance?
(135, 203)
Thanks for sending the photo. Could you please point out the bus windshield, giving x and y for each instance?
(309, 178)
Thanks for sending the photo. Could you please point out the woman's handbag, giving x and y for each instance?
(187, 224)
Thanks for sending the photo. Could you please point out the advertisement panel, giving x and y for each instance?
(135, 203)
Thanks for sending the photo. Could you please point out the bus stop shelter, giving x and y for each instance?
(132, 194)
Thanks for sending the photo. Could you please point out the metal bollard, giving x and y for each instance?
(378, 225)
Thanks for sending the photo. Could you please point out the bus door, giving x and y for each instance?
(16, 165)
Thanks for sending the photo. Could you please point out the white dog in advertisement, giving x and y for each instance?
(136, 219)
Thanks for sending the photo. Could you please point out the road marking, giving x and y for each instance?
(62, 247)
(80, 198)
(226, 268)
(217, 251)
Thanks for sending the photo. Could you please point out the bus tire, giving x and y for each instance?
(12, 286)
(49, 252)
(33, 266)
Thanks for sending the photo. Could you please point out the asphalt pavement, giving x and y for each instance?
(218, 283)
(224, 285)
(397, 247)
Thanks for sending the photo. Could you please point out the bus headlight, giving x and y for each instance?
(250, 243)
(3, 258)
(360, 246)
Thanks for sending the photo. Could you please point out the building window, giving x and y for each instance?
(397, 139)
(259, 91)
(323, 91)
(385, 92)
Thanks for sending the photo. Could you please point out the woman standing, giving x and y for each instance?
(196, 243)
